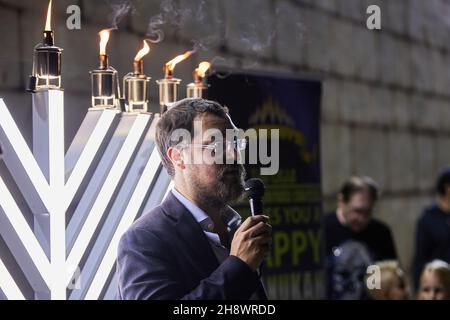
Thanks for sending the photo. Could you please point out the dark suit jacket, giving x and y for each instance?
(166, 255)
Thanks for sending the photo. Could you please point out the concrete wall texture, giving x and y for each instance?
(386, 100)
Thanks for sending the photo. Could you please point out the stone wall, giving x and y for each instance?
(385, 108)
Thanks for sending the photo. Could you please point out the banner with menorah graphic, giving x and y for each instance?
(294, 270)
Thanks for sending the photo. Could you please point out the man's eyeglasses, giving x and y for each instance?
(218, 146)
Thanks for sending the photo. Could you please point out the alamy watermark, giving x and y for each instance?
(373, 280)
(374, 20)
(263, 147)
(73, 21)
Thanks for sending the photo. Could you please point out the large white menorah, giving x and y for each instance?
(81, 201)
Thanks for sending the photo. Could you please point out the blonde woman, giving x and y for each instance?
(435, 281)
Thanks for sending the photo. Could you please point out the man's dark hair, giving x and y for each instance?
(359, 184)
(181, 116)
(443, 181)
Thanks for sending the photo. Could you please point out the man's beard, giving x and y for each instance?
(228, 186)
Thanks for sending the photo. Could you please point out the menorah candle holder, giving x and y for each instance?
(137, 94)
(46, 72)
(168, 92)
(104, 85)
(136, 87)
(168, 86)
(196, 90)
(63, 213)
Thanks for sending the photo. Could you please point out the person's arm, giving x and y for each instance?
(423, 249)
(147, 270)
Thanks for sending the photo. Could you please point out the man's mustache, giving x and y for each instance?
(231, 169)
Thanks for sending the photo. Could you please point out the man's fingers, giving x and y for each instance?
(251, 221)
(263, 240)
(263, 244)
(259, 229)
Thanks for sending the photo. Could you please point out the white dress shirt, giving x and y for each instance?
(231, 218)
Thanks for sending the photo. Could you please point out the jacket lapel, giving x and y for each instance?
(191, 234)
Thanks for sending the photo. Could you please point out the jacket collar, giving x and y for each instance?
(194, 237)
(191, 232)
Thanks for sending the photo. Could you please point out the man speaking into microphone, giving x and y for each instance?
(193, 245)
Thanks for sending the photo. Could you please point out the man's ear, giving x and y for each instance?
(174, 155)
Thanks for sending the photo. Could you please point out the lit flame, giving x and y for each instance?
(202, 68)
(143, 52)
(104, 38)
(48, 26)
(172, 63)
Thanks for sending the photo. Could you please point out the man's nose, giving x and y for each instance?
(231, 155)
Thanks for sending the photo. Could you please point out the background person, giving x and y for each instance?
(433, 229)
(393, 284)
(435, 281)
(353, 223)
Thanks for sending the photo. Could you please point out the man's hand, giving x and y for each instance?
(252, 242)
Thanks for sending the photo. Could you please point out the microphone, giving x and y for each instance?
(255, 191)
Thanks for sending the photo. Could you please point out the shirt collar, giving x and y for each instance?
(230, 217)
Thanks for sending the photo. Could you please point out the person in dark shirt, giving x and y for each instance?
(351, 231)
(433, 229)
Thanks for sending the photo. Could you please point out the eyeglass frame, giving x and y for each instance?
(214, 145)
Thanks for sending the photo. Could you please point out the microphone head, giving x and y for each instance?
(254, 188)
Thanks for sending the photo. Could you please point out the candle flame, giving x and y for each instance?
(202, 68)
(48, 26)
(172, 63)
(104, 38)
(143, 52)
